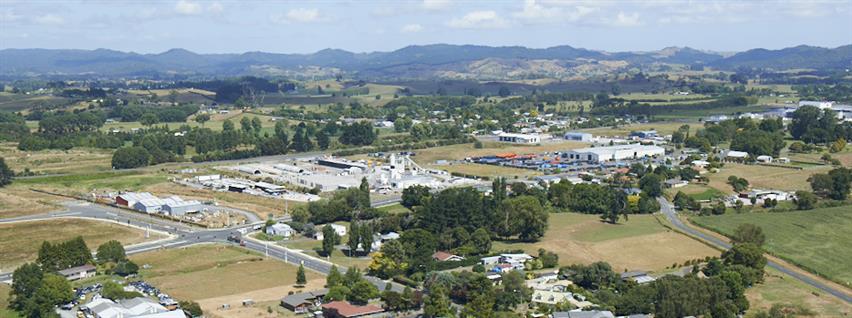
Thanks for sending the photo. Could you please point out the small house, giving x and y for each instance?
(639, 277)
(303, 302)
(339, 229)
(490, 260)
(584, 314)
(79, 272)
(442, 256)
(343, 309)
(764, 159)
(279, 229)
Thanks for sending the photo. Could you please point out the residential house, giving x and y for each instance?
(304, 302)
(339, 229)
(79, 272)
(343, 309)
(442, 256)
(640, 277)
(279, 229)
(764, 159)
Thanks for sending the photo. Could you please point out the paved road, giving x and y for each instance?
(668, 210)
(184, 235)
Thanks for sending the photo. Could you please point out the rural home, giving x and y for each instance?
(339, 229)
(639, 277)
(279, 229)
(736, 155)
(343, 309)
(304, 302)
(79, 272)
(764, 159)
(442, 256)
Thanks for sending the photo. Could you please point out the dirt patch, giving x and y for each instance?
(263, 298)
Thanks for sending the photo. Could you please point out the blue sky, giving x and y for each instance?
(222, 26)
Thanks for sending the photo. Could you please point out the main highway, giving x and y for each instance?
(182, 235)
(668, 210)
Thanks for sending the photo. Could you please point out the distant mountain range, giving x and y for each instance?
(419, 61)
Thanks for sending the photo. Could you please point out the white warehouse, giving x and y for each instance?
(613, 153)
(519, 138)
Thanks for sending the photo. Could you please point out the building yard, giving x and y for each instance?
(765, 177)
(457, 152)
(641, 243)
(817, 240)
(780, 288)
(20, 241)
(218, 274)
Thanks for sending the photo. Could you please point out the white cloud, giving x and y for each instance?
(626, 20)
(187, 7)
(411, 28)
(299, 15)
(215, 7)
(8, 16)
(557, 12)
(436, 5)
(479, 20)
(49, 19)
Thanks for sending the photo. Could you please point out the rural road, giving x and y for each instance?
(184, 235)
(668, 210)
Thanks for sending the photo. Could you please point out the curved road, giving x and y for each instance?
(185, 235)
(669, 211)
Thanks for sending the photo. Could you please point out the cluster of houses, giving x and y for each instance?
(149, 203)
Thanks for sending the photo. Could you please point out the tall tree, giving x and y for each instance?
(6, 174)
(301, 280)
(329, 239)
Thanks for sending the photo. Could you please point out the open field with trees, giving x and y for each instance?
(778, 288)
(207, 271)
(817, 240)
(641, 243)
(50, 161)
(765, 177)
(20, 242)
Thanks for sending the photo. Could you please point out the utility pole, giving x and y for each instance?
(266, 245)
(148, 231)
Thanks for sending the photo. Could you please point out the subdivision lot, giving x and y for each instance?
(20, 241)
(765, 177)
(780, 288)
(212, 271)
(55, 161)
(17, 200)
(640, 243)
(698, 191)
(817, 240)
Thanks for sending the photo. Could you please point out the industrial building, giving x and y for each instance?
(578, 136)
(519, 138)
(173, 205)
(613, 153)
(139, 307)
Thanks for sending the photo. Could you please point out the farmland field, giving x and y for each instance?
(818, 240)
(638, 244)
(19, 242)
(210, 271)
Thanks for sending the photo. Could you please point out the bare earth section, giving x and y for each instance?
(20, 241)
(638, 244)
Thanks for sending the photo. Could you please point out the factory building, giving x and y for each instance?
(519, 138)
(613, 153)
(578, 136)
